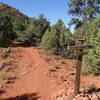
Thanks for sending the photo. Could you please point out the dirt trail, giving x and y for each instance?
(33, 77)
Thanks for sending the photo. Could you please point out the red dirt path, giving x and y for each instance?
(33, 77)
(33, 72)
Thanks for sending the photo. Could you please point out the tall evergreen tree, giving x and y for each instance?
(84, 10)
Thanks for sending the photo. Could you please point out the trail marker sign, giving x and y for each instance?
(79, 52)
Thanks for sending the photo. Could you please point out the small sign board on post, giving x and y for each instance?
(79, 52)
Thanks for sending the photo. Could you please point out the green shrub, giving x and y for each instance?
(56, 39)
(92, 60)
(7, 33)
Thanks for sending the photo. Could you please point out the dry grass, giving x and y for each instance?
(53, 68)
(7, 77)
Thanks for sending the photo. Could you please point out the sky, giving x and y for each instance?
(52, 9)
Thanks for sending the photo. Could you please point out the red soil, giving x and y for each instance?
(35, 80)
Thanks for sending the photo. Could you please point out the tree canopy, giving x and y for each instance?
(84, 11)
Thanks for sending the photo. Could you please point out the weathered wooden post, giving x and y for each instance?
(79, 52)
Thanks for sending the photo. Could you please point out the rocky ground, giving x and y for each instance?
(27, 73)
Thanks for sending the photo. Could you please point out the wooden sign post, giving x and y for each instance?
(79, 52)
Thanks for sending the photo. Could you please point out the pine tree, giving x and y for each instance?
(84, 11)
(92, 60)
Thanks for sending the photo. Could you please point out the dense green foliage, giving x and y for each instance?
(35, 28)
(18, 27)
(7, 33)
(40, 25)
(57, 38)
(86, 15)
(92, 60)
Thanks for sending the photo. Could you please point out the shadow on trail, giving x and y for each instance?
(20, 44)
(32, 96)
(2, 91)
(90, 91)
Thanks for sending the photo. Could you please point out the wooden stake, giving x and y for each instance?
(78, 74)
